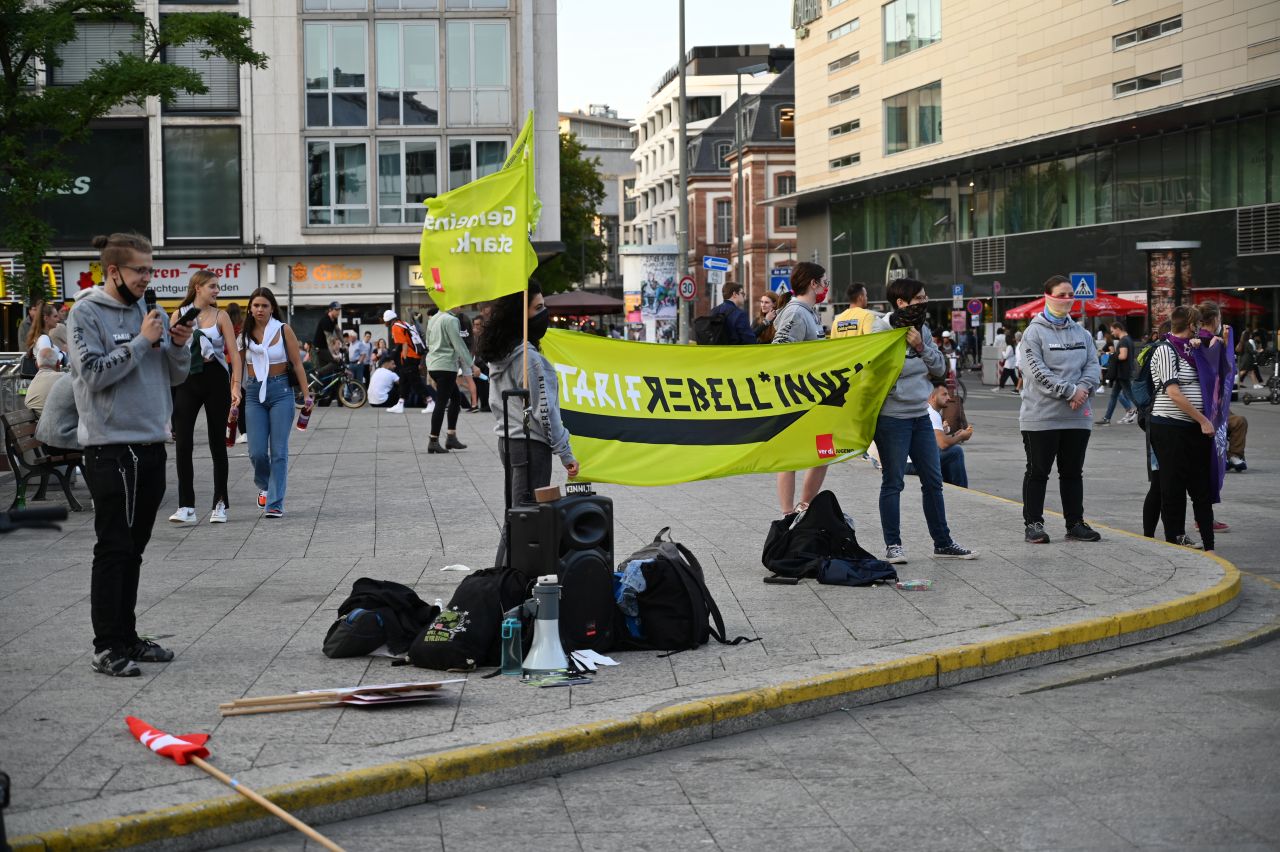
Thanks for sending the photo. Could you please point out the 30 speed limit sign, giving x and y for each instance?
(686, 288)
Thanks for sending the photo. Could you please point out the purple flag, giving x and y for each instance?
(1216, 367)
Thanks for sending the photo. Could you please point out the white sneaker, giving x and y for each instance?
(895, 555)
(430, 407)
(398, 408)
(219, 514)
(183, 516)
(242, 438)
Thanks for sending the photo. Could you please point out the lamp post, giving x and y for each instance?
(738, 139)
(682, 209)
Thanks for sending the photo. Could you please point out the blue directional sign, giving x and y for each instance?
(957, 291)
(720, 263)
(1084, 285)
(779, 280)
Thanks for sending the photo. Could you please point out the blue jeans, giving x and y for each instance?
(1120, 391)
(896, 439)
(953, 469)
(269, 424)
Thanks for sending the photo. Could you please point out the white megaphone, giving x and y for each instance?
(546, 655)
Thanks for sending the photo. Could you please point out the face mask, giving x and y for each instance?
(126, 294)
(820, 296)
(1060, 308)
(538, 325)
(912, 316)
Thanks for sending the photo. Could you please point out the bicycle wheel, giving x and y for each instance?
(352, 394)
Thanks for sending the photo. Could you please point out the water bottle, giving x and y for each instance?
(304, 416)
(231, 426)
(512, 647)
(914, 585)
(20, 502)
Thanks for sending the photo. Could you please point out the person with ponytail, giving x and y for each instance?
(213, 383)
(1060, 372)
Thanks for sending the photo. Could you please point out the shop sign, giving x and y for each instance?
(339, 276)
(238, 276)
(107, 190)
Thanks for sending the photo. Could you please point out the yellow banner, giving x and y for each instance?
(653, 414)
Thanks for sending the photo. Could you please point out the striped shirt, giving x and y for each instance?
(1168, 368)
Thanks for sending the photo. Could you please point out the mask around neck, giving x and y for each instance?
(1060, 308)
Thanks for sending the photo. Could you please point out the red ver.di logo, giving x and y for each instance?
(826, 447)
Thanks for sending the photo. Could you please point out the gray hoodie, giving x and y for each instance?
(121, 381)
(910, 395)
(544, 400)
(59, 420)
(1054, 361)
(797, 322)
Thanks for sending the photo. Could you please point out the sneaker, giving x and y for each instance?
(1218, 526)
(1237, 464)
(146, 651)
(272, 514)
(1083, 532)
(1036, 534)
(895, 555)
(1103, 422)
(219, 514)
(114, 663)
(398, 408)
(242, 438)
(1188, 541)
(1130, 416)
(262, 499)
(954, 551)
(429, 407)
(452, 443)
(183, 516)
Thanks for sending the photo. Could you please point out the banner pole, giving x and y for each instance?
(524, 350)
(268, 805)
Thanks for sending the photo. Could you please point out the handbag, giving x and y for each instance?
(27, 369)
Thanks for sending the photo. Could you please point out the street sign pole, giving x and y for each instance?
(682, 213)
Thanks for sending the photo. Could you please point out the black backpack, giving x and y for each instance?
(468, 632)
(820, 542)
(711, 330)
(675, 605)
(377, 613)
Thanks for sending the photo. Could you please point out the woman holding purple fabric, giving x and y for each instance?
(1216, 367)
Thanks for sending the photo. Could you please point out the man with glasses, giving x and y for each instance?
(734, 326)
(124, 360)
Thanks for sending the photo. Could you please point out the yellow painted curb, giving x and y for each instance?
(471, 761)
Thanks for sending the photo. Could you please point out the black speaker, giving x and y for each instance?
(547, 538)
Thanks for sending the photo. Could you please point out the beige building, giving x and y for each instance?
(968, 142)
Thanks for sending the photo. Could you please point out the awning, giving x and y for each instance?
(1104, 305)
(579, 302)
(1228, 303)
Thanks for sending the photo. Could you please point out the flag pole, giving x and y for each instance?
(524, 350)
(271, 807)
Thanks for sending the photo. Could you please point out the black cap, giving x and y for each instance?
(333, 306)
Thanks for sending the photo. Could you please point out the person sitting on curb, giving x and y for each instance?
(383, 392)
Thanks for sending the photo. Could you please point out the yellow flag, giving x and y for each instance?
(649, 414)
(521, 156)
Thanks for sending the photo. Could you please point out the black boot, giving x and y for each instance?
(453, 443)
(434, 446)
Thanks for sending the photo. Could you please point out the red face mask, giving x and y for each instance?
(820, 294)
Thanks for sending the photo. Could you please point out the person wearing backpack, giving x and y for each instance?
(735, 328)
(797, 322)
(1060, 371)
(1181, 435)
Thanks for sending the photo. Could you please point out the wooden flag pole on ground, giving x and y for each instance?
(268, 805)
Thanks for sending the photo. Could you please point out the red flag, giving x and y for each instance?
(178, 748)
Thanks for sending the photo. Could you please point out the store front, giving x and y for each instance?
(364, 285)
(237, 277)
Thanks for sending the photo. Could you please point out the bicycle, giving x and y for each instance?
(341, 386)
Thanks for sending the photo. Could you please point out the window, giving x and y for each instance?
(785, 185)
(910, 25)
(337, 182)
(406, 5)
(702, 107)
(202, 183)
(843, 62)
(220, 75)
(842, 129)
(842, 95)
(846, 160)
(805, 12)
(1154, 80)
(834, 3)
(1147, 33)
(786, 122)
(477, 4)
(479, 78)
(408, 82)
(408, 174)
(336, 65)
(474, 158)
(332, 5)
(95, 42)
(724, 222)
(843, 30)
(913, 118)
(723, 150)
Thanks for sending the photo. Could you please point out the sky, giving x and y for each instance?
(614, 52)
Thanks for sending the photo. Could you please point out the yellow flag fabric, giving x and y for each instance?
(521, 156)
(653, 414)
(475, 239)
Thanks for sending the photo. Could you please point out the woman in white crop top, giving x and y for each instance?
(271, 350)
(213, 384)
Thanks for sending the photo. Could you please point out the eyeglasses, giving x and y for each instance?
(144, 271)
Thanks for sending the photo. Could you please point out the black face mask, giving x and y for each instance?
(125, 293)
(538, 325)
(911, 316)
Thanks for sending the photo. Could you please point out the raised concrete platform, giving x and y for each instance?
(246, 606)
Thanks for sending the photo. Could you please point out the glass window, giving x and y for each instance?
(913, 118)
(998, 202)
(408, 84)
(474, 158)
(478, 4)
(1104, 188)
(1064, 187)
(1253, 160)
(1086, 164)
(1154, 80)
(980, 206)
(95, 42)
(1128, 187)
(219, 74)
(202, 183)
(842, 30)
(723, 149)
(479, 73)
(1174, 195)
(408, 175)
(1199, 170)
(336, 65)
(844, 128)
(1149, 171)
(724, 221)
(337, 182)
(1018, 200)
(910, 25)
(843, 62)
(1225, 187)
(1147, 33)
(846, 160)
(786, 122)
(407, 5)
(332, 5)
(785, 185)
(1273, 157)
(842, 96)
(702, 107)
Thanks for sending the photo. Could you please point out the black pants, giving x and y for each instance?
(127, 484)
(393, 396)
(447, 394)
(1008, 374)
(412, 385)
(211, 389)
(1066, 447)
(1184, 454)
(482, 395)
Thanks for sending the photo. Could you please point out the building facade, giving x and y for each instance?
(607, 139)
(991, 144)
(309, 176)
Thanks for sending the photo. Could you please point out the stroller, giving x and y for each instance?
(1270, 391)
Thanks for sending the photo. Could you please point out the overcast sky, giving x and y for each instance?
(614, 52)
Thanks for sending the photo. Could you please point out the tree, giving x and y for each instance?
(581, 192)
(39, 122)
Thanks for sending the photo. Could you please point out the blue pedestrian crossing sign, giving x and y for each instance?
(779, 280)
(1084, 285)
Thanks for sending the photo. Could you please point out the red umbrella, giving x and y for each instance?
(1227, 302)
(1104, 305)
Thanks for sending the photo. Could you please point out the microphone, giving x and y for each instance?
(149, 298)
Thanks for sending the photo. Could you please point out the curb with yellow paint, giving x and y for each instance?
(199, 825)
